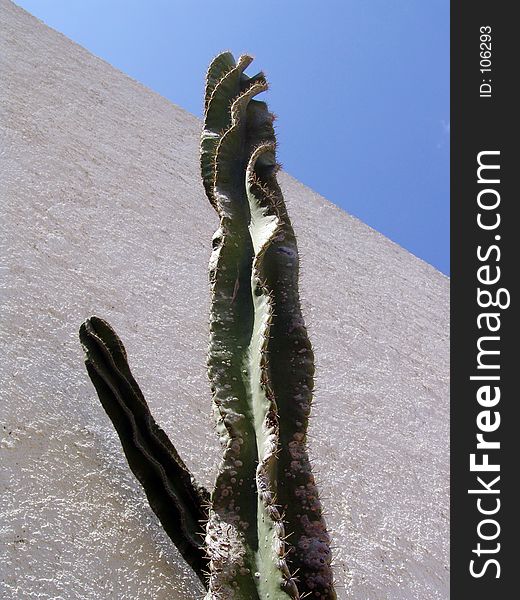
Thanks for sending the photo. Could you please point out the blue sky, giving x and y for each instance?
(360, 88)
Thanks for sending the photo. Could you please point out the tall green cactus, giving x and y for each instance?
(265, 534)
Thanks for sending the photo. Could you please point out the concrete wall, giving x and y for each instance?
(104, 214)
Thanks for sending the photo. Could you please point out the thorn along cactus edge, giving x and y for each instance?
(265, 536)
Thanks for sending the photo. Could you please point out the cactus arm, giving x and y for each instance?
(171, 490)
(289, 370)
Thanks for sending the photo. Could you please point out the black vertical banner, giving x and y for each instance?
(485, 257)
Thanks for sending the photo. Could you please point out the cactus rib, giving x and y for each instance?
(223, 81)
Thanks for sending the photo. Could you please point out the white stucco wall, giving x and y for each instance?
(103, 213)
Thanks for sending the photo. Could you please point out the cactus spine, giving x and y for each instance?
(265, 534)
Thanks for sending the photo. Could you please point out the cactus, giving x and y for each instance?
(265, 536)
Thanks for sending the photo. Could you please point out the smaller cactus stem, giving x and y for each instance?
(175, 497)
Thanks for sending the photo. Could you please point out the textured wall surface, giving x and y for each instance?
(103, 213)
